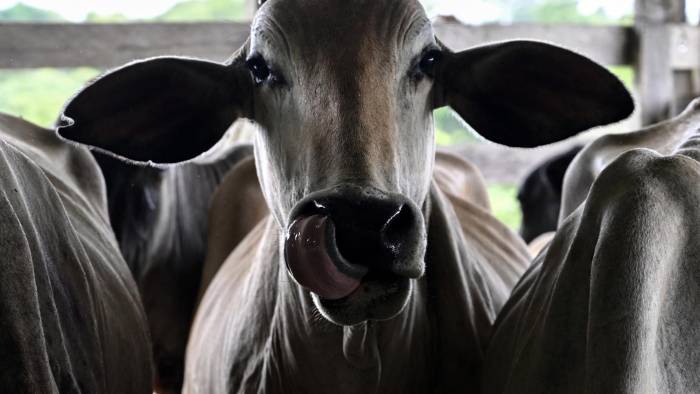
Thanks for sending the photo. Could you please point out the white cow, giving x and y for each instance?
(365, 278)
(71, 319)
(612, 305)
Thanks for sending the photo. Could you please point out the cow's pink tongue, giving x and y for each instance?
(308, 260)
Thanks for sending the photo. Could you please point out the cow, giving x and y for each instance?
(540, 194)
(161, 227)
(364, 277)
(612, 304)
(664, 138)
(71, 319)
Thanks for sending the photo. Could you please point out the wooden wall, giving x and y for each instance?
(662, 48)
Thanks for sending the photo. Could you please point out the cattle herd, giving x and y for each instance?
(341, 253)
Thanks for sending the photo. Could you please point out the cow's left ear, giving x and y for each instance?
(164, 110)
(527, 93)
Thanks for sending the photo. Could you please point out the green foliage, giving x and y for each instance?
(203, 10)
(38, 95)
(505, 206)
(559, 11)
(94, 17)
(450, 129)
(25, 13)
(625, 73)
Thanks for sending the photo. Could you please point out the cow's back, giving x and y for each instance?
(664, 138)
(71, 318)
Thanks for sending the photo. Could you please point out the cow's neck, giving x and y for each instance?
(434, 345)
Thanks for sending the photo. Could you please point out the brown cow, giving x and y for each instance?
(611, 306)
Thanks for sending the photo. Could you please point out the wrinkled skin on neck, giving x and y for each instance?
(277, 342)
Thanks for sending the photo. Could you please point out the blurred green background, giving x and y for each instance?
(38, 94)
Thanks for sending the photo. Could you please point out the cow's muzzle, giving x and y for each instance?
(349, 238)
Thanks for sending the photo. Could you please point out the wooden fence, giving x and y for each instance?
(662, 49)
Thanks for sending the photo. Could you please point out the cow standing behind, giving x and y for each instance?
(160, 219)
(388, 291)
(540, 195)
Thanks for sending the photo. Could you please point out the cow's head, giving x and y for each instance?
(343, 93)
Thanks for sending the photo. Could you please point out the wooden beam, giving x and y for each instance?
(655, 76)
(504, 165)
(659, 11)
(252, 7)
(31, 45)
(685, 45)
(609, 45)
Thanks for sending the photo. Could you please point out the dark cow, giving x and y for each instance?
(159, 216)
(540, 195)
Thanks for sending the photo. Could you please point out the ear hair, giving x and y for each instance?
(529, 93)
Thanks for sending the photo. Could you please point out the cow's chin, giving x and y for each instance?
(370, 287)
(375, 299)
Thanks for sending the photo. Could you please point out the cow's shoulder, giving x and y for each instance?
(247, 285)
(642, 179)
(238, 197)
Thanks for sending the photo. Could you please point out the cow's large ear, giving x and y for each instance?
(164, 110)
(527, 93)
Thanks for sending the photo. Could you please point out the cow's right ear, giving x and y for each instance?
(163, 110)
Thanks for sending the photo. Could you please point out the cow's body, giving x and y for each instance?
(256, 331)
(664, 138)
(611, 306)
(239, 195)
(160, 218)
(70, 315)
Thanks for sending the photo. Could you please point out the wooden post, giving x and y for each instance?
(252, 6)
(654, 68)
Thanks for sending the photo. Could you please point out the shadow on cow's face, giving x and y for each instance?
(343, 93)
(345, 147)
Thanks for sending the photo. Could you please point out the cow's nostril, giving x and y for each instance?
(397, 229)
(376, 231)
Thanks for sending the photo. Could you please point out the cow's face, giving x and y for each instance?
(343, 93)
(346, 145)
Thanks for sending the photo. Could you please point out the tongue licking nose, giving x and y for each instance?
(314, 261)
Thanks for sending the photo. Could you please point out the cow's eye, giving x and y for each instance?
(429, 61)
(259, 68)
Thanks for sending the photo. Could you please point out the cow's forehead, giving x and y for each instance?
(340, 27)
